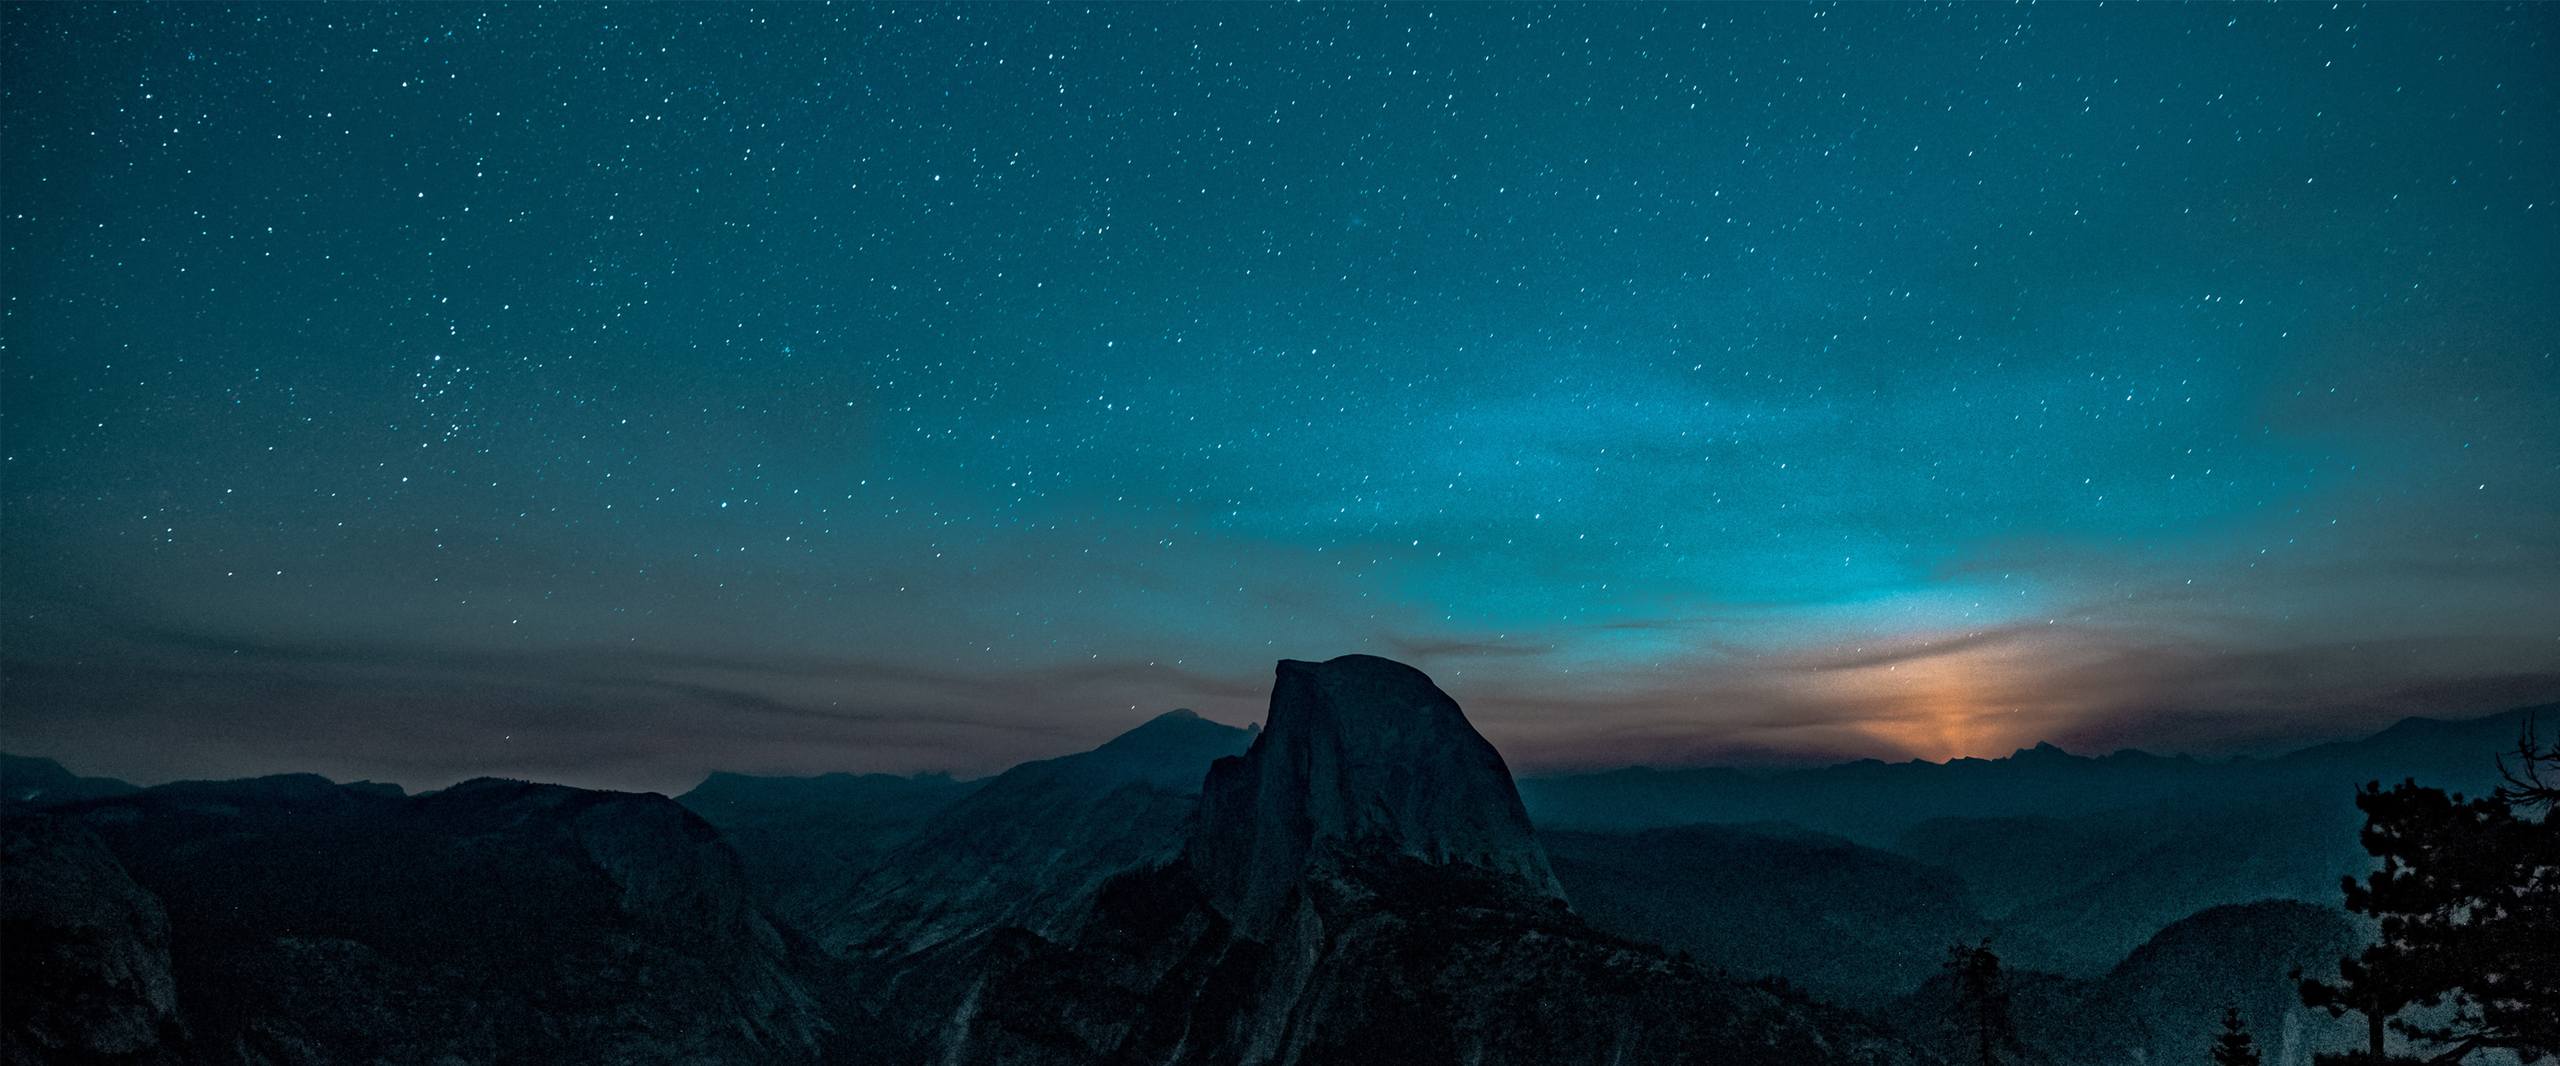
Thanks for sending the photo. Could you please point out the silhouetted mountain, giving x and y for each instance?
(1875, 803)
(1361, 886)
(2081, 859)
(1031, 844)
(1868, 801)
(1364, 757)
(1845, 922)
(493, 921)
(2454, 755)
(804, 839)
(2164, 1001)
(42, 782)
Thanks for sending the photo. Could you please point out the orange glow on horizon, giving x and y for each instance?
(1936, 707)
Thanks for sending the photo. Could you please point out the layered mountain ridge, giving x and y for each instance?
(1359, 879)
(1362, 885)
(1874, 802)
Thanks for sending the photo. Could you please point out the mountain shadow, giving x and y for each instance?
(1030, 846)
(1845, 922)
(289, 920)
(804, 838)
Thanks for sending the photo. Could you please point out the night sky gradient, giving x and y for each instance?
(611, 394)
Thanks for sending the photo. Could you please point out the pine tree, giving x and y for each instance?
(2467, 900)
(1982, 1002)
(2234, 1047)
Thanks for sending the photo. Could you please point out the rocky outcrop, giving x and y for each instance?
(495, 921)
(1361, 886)
(1361, 758)
(84, 952)
(1422, 972)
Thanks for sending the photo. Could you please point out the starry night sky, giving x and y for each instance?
(608, 394)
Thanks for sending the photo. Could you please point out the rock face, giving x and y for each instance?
(1361, 757)
(85, 951)
(1361, 886)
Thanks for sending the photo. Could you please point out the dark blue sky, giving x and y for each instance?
(611, 394)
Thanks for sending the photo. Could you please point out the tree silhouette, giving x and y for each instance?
(1982, 1002)
(2517, 988)
(2234, 1046)
(2528, 782)
(2467, 901)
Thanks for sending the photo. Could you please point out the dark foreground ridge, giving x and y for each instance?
(289, 920)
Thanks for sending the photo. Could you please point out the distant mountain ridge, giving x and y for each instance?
(1363, 874)
(2068, 862)
(2433, 749)
(1873, 802)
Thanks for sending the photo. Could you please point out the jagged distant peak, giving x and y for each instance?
(1178, 725)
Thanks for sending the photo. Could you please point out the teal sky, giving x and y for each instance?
(608, 395)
